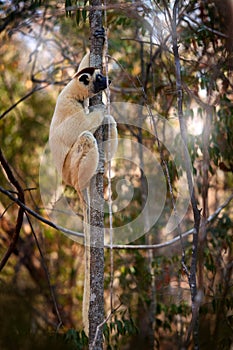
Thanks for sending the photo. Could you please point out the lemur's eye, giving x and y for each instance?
(84, 78)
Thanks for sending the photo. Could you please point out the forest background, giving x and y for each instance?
(41, 281)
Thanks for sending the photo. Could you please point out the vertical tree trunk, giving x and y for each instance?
(194, 325)
(96, 305)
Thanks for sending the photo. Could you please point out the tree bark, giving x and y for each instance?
(96, 304)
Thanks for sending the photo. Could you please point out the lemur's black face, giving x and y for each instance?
(92, 81)
(100, 83)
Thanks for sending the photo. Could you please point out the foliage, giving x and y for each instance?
(117, 331)
(41, 45)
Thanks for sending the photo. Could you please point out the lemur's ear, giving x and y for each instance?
(88, 70)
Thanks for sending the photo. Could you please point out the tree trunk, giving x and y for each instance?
(96, 305)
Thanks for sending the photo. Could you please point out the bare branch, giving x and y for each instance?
(37, 88)
(211, 218)
(19, 221)
(92, 347)
(39, 217)
(196, 212)
(202, 25)
(75, 234)
(47, 274)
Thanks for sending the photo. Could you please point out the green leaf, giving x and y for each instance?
(84, 15)
(84, 338)
(77, 17)
(106, 332)
(120, 328)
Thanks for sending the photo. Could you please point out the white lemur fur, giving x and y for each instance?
(74, 147)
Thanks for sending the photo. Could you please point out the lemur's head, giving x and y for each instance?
(90, 81)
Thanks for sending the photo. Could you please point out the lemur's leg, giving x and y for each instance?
(81, 162)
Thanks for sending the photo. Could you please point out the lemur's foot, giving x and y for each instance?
(87, 141)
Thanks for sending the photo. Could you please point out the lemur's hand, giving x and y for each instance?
(108, 119)
(100, 107)
(100, 33)
(109, 122)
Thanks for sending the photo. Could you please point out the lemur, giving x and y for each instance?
(74, 147)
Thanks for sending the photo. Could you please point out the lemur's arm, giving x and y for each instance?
(107, 120)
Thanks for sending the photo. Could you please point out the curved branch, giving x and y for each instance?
(39, 217)
(37, 88)
(116, 246)
(19, 221)
(177, 238)
(51, 289)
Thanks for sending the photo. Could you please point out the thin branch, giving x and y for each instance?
(203, 26)
(37, 88)
(109, 165)
(219, 209)
(19, 221)
(211, 218)
(165, 165)
(38, 42)
(141, 41)
(196, 211)
(5, 210)
(46, 273)
(92, 347)
(39, 217)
